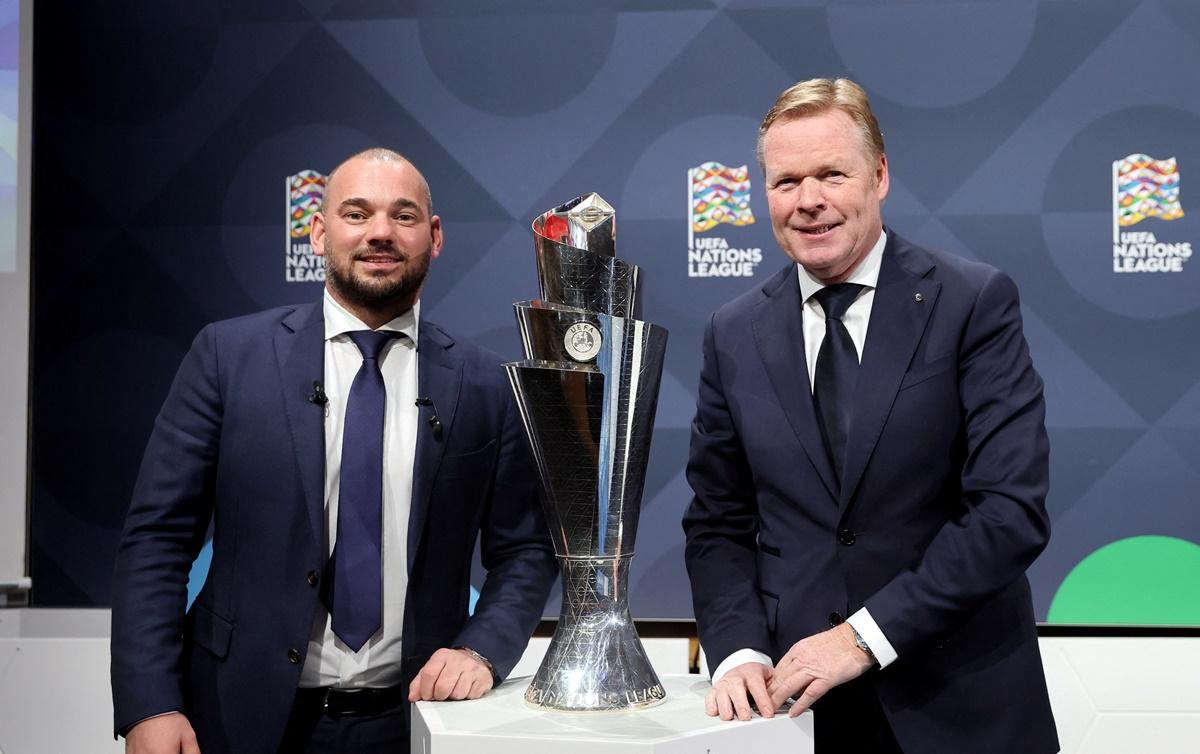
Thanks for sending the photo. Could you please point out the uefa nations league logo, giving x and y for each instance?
(716, 195)
(1145, 188)
(305, 190)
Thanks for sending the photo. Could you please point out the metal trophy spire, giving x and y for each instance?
(587, 392)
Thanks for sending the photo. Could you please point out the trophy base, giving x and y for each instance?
(595, 661)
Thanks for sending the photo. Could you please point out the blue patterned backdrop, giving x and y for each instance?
(163, 137)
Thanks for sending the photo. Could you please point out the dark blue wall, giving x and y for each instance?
(164, 134)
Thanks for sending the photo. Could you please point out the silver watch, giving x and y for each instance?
(862, 644)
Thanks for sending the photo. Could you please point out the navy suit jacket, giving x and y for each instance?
(238, 442)
(941, 509)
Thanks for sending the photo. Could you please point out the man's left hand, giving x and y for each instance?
(816, 664)
(450, 674)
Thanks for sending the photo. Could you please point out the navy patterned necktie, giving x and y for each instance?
(836, 371)
(357, 594)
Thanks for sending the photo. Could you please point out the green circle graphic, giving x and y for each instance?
(1140, 580)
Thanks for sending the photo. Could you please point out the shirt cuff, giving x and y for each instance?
(740, 657)
(869, 630)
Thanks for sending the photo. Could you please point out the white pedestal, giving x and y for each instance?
(501, 723)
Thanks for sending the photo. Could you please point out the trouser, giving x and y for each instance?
(343, 724)
(849, 718)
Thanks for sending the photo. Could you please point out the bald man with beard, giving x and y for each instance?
(262, 433)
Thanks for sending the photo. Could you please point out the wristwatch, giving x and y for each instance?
(485, 662)
(862, 644)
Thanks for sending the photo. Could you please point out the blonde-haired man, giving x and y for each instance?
(870, 463)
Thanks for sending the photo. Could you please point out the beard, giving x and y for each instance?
(379, 293)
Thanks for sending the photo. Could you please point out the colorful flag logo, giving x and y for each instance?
(719, 195)
(305, 191)
(1145, 187)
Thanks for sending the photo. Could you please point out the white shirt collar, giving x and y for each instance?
(866, 273)
(339, 321)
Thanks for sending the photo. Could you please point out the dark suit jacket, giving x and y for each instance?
(939, 514)
(238, 442)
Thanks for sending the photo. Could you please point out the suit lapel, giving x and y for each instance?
(898, 321)
(779, 333)
(300, 356)
(439, 378)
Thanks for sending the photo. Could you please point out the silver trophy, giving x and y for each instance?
(587, 392)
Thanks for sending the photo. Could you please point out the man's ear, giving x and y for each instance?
(436, 237)
(316, 233)
(882, 182)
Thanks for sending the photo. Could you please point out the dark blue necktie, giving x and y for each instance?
(836, 372)
(357, 597)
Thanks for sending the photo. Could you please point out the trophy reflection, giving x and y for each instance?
(587, 392)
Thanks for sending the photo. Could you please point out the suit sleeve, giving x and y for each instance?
(1001, 524)
(164, 530)
(721, 524)
(515, 549)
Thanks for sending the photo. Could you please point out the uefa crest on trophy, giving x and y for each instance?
(587, 392)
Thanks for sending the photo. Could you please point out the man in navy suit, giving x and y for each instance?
(256, 435)
(870, 463)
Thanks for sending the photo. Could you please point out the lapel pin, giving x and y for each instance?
(918, 298)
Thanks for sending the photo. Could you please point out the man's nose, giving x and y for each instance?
(809, 197)
(380, 230)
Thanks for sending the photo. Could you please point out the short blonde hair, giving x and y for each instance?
(816, 96)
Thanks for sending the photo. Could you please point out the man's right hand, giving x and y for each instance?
(165, 734)
(732, 694)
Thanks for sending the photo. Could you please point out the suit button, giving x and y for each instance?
(294, 656)
(836, 619)
(846, 537)
(313, 578)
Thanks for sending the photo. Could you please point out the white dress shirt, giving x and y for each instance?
(377, 664)
(813, 320)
